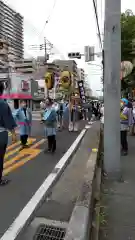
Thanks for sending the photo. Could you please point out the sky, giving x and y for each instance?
(71, 26)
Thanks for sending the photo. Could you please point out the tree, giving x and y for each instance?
(127, 37)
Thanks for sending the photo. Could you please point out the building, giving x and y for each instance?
(81, 74)
(88, 90)
(26, 66)
(3, 59)
(11, 29)
(20, 89)
(69, 65)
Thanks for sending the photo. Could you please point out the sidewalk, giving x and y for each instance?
(118, 201)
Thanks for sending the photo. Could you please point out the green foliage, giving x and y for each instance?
(127, 37)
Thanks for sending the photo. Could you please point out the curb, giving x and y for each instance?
(28, 212)
(80, 224)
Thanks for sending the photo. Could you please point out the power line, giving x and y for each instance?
(49, 16)
(99, 34)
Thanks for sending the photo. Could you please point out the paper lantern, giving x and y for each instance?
(126, 69)
(49, 80)
(65, 79)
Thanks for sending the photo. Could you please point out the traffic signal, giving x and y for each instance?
(74, 55)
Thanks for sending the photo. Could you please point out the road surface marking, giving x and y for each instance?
(13, 167)
(30, 140)
(38, 143)
(38, 198)
(22, 157)
(9, 153)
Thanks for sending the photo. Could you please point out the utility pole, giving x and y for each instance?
(112, 88)
(45, 43)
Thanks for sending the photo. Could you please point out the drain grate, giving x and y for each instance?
(49, 232)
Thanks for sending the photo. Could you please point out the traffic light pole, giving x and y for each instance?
(112, 87)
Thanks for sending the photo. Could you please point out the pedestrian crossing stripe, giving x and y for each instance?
(15, 158)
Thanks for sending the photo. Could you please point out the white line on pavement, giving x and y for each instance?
(29, 210)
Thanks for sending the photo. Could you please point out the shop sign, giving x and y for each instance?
(24, 85)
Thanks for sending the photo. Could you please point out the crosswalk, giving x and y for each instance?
(14, 158)
(36, 116)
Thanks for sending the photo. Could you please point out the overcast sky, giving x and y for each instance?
(71, 26)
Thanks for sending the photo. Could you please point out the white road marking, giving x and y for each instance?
(28, 211)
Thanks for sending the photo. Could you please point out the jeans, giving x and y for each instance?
(124, 143)
(51, 143)
(3, 146)
(23, 139)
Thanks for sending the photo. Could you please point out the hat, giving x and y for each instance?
(125, 101)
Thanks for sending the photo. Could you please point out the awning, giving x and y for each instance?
(16, 96)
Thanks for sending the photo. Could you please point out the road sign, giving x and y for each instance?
(89, 53)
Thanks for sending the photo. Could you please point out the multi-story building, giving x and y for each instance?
(69, 65)
(11, 29)
(4, 56)
(26, 66)
(81, 74)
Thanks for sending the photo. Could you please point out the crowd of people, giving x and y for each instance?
(55, 116)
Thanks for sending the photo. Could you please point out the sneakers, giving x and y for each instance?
(4, 182)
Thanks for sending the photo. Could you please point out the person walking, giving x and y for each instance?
(124, 123)
(50, 121)
(23, 118)
(7, 123)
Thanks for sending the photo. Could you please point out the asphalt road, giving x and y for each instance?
(27, 170)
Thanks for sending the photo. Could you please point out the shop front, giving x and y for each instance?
(21, 90)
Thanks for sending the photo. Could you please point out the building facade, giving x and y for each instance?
(81, 74)
(69, 65)
(25, 66)
(4, 46)
(11, 29)
(20, 89)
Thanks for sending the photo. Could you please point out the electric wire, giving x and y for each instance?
(49, 16)
(97, 22)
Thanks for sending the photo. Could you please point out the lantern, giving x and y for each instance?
(126, 69)
(66, 79)
(49, 80)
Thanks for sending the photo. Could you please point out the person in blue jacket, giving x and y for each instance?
(7, 123)
(50, 121)
(23, 118)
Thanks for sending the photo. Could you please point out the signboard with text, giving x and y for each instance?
(81, 91)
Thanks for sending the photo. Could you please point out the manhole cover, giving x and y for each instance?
(49, 232)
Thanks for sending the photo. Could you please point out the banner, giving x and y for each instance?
(81, 91)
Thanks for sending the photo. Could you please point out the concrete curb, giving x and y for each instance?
(80, 223)
(28, 213)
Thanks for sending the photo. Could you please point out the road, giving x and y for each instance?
(27, 170)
